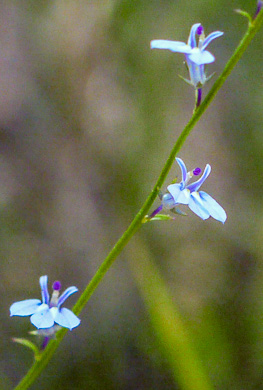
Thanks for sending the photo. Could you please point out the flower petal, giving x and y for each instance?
(25, 308)
(183, 197)
(197, 206)
(183, 168)
(200, 57)
(42, 319)
(66, 318)
(197, 184)
(44, 289)
(216, 211)
(175, 46)
(167, 203)
(69, 291)
(179, 195)
(191, 40)
(211, 37)
(197, 74)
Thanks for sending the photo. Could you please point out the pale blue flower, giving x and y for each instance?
(49, 312)
(199, 202)
(196, 55)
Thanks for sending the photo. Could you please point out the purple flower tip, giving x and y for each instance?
(56, 285)
(199, 30)
(197, 171)
(259, 7)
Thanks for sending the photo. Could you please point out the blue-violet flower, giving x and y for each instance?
(199, 202)
(46, 314)
(259, 7)
(196, 55)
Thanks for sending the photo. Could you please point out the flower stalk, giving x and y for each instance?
(198, 97)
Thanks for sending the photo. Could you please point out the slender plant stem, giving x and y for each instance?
(46, 355)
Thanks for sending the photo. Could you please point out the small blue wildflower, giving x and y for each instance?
(196, 55)
(45, 314)
(199, 202)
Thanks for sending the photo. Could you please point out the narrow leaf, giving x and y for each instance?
(28, 344)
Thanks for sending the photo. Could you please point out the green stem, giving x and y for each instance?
(173, 340)
(46, 355)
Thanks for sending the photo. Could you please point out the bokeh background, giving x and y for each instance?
(88, 115)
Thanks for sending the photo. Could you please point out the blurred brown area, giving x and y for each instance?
(88, 115)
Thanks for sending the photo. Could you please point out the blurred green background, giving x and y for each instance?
(88, 115)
